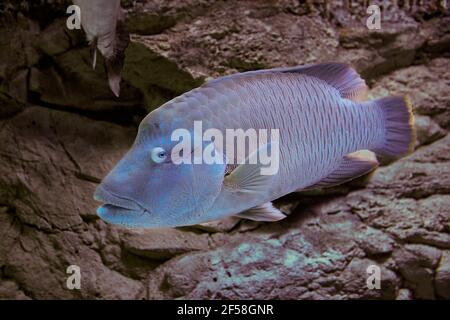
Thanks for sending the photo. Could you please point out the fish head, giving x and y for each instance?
(149, 189)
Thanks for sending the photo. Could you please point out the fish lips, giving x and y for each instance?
(116, 209)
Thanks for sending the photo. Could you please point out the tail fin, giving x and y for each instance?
(400, 133)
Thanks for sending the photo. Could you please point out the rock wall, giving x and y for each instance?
(61, 130)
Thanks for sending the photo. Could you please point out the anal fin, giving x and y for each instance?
(352, 166)
(263, 212)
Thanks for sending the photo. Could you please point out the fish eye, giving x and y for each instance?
(158, 155)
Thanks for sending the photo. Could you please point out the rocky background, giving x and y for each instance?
(61, 130)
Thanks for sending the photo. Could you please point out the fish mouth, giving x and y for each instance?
(117, 209)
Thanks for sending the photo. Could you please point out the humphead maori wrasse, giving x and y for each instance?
(323, 117)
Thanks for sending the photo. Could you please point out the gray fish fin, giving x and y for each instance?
(247, 177)
(352, 166)
(400, 135)
(93, 52)
(339, 75)
(114, 64)
(263, 212)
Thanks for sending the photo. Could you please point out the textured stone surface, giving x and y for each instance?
(428, 86)
(443, 276)
(427, 130)
(162, 244)
(62, 130)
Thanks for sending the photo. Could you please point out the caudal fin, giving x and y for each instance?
(399, 127)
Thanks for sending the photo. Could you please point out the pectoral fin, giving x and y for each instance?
(248, 177)
(352, 166)
(264, 212)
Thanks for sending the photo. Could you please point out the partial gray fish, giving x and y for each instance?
(103, 23)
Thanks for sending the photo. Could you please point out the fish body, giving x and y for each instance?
(102, 21)
(322, 118)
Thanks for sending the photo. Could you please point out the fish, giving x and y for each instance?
(329, 134)
(103, 23)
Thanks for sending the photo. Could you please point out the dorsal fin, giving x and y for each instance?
(339, 75)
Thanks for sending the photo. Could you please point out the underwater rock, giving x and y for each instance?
(71, 83)
(427, 130)
(418, 276)
(55, 39)
(427, 85)
(158, 77)
(423, 174)
(60, 135)
(404, 294)
(442, 277)
(162, 244)
(10, 290)
(374, 242)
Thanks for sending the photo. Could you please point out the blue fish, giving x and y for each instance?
(323, 118)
